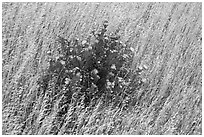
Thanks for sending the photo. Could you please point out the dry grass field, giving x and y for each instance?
(167, 37)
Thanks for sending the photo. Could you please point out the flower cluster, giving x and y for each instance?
(97, 65)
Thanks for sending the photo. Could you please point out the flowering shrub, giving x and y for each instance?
(97, 66)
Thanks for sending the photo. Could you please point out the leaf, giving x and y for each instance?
(112, 56)
(86, 54)
(75, 62)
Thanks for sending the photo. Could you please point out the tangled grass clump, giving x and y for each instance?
(99, 66)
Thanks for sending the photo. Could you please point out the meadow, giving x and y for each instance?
(166, 38)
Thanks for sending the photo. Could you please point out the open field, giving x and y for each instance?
(167, 37)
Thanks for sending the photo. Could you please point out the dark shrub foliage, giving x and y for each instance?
(99, 66)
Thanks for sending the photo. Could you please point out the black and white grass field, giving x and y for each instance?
(102, 68)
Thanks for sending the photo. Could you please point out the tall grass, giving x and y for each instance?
(167, 37)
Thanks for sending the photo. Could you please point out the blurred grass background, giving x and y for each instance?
(167, 38)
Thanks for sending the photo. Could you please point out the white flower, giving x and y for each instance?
(97, 120)
(67, 80)
(145, 67)
(140, 68)
(67, 71)
(113, 51)
(144, 80)
(49, 52)
(111, 74)
(132, 49)
(71, 57)
(71, 49)
(62, 62)
(120, 79)
(56, 58)
(125, 56)
(93, 85)
(126, 83)
(79, 58)
(76, 68)
(78, 74)
(110, 84)
(90, 48)
(123, 45)
(83, 42)
(95, 71)
(113, 66)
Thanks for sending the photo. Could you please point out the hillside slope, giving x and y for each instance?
(167, 37)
